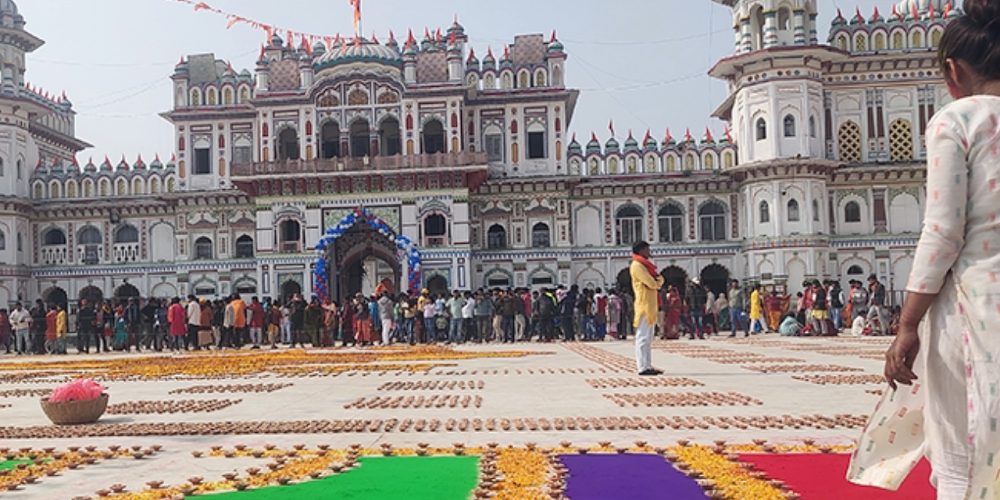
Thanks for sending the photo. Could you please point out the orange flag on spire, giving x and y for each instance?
(357, 16)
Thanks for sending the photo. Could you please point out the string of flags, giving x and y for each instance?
(232, 19)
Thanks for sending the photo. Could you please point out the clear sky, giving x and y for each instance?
(641, 63)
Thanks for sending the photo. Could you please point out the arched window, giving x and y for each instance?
(784, 19)
(1, 167)
(897, 41)
(244, 247)
(842, 42)
(540, 235)
(712, 221)
(918, 39)
(789, 126)
(815, 209)
(523, 80)
(290, 235)
(860, 43)
(849, 142)
(936, 38)
(39, 190)
(435, 230)
(709, 162)
(496, 237)
(765, 212)
(852, 212)
(389, 137)
(540, 80)
(20, 243)
(88, 188)
(793, 211)
(288, 144)
(89, 236)
(54, 236)
(330, 140)
(203, 248)
(812, 127)
(244, 95)
(900, 140)
(670, 220)
(195, 97)
(227, 96)
(879, 41)
(360, 140)
(855, 271)
(3, 240)
(19, 168)
(671, 163)
(757, 28)
(628, 225)
(71, 189)
(126, 233)
(761, 129)
(432, 136)
(727, 160)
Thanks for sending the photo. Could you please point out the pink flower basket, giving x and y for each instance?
(81, 401)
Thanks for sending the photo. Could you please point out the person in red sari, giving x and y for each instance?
(177, 318)
(774, 306)
(363, 332)
(672, 321)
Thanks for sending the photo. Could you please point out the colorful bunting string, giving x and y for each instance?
(269, 29)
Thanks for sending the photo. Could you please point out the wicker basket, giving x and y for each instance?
(75, 412)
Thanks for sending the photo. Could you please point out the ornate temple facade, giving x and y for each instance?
(469, 154)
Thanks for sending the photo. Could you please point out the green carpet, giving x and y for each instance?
(10, 464)
(378, 478)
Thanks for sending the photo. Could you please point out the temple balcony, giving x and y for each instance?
(53, 255)
(349, 165)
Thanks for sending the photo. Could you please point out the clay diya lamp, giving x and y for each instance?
(154, 485)
(230, 476)
(103, 493)
(283, 480)
(253, 471)
(240, 447)
(196, 480)
(117, 488)
(196, 454)
(257, 453)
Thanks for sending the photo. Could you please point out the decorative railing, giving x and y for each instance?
(435, 241)
(89, 254)
(290, 247)
(126, 252)
(53, 255)
(332, 165)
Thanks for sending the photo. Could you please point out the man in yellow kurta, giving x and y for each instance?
(756, 311)
(646, 283)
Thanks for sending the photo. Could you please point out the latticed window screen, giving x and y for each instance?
(901, 141)
(860, 43)
(849, 139)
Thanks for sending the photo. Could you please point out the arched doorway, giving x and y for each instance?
(362, 259)
(289, 289)
(288, 144)
(437, 284)
(330, 140)
(715, 278)
(126, 291)
(624, 280)
(92, 295)
(56, 296)
(675, 276)
(433, 137)
(388, 137)
(360, 139)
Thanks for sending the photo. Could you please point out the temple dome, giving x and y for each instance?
(364, 52)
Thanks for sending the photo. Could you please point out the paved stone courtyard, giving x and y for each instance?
(206, 415)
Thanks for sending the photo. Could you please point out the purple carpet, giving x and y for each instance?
(635, 477)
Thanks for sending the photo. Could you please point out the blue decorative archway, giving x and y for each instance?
(321, 276)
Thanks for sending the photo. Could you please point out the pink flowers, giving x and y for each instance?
(81, 389)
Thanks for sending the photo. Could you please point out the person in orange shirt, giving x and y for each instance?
(239, 321)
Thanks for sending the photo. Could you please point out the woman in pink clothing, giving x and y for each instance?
(947, 351)
(177, 318)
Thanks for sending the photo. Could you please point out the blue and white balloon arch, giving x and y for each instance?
(321, 276)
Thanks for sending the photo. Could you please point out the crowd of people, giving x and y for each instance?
(497, 315)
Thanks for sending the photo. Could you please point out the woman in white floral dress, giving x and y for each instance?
(945, 357)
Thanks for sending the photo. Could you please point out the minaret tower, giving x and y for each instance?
(776, 108)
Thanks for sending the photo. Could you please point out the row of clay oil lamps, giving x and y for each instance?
(25, 393)
(683, 399)
(739, 361)
(433, 385)
(616, 383)
(525, 371)
(167, 407)
(234, 388)
(422, 425)
(607, 359)
(433, 401)
(800, 368)
(841, 379)
(33, 377)
(49, 462)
